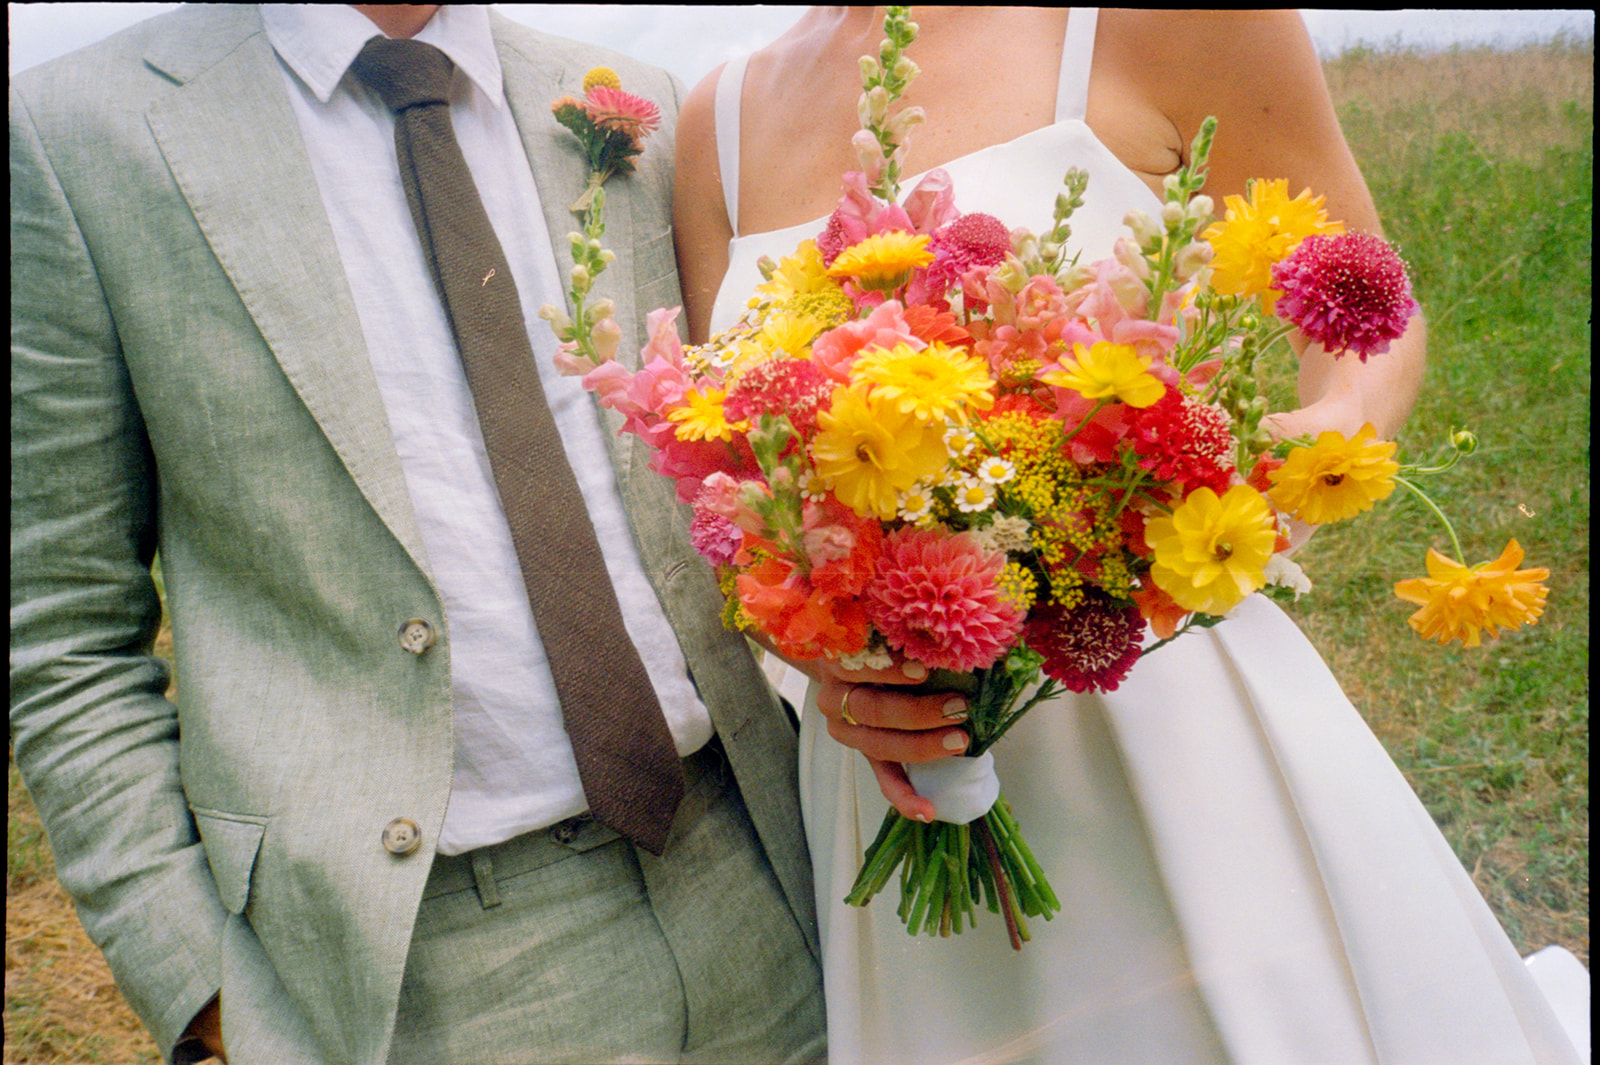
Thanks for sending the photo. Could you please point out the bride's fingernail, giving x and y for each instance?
(914, 670)
(955, 741)
(955, 710)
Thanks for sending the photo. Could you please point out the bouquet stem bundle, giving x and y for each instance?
(947, 870)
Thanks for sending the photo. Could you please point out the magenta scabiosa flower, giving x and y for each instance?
(1089, 647)
(1348, 292)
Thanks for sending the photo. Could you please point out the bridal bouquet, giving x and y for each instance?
(935, 437)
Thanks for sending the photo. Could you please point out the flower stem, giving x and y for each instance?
(1428, 502)
(998, 876)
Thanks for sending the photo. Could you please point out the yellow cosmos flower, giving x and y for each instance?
(934, 384)
(1259, 232)
(1459, 602)
(869, 451)
(1108, 371)
(601, 76)
(702, 417)
(883, 261)
(802, 273)
(1335, 478)
(1211, 552)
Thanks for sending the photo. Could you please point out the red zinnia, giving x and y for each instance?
(1090, 647)
(1184, 441)
(1348, 292)
(795, 387)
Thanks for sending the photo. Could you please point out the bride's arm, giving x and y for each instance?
(699, 217)
(1258, 73)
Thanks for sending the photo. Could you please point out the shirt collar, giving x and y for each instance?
(320, 41)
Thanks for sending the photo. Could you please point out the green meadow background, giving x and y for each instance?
(1481, 162)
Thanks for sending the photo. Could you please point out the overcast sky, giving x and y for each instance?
(691, 40)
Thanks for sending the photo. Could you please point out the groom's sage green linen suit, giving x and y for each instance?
(189, 376)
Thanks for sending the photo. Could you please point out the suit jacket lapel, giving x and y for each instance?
(561, 173)
(282, 261)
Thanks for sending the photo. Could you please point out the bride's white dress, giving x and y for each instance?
(1244, 875)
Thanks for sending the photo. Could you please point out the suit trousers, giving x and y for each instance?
(572, 946)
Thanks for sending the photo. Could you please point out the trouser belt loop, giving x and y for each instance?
(483, 877)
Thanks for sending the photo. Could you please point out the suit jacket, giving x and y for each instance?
(189, 375)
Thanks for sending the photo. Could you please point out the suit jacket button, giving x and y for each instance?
(401, 837)
(416, 636)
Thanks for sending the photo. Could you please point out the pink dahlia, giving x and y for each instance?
(795, 387)
(1348, 292)
(1090, 647)
(621, 112)
(1184, 441)
(937, 598)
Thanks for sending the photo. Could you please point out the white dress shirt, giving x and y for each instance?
(514, 768)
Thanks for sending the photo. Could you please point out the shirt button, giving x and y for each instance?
(401, 837)
(416, 636)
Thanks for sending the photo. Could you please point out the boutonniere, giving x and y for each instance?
(612, 125)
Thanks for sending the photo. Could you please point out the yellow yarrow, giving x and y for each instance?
(1335, 478)
(1108, 371)
(1260, 232)
(601, 76)
(884, 261)
(933, 384)
(702, 417)
(1459, 602)
(1017, 585)
(1212, 551)
(869, 451)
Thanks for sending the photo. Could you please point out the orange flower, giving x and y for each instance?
(1459, 602)
(1159, 610)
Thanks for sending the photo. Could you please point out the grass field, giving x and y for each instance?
(1481, 163)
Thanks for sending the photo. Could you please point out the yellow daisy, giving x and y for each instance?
(702, 417)
(1259, 232)
(935, 384)
(1108, 371)
(799, 274)
(884, 261)
(869, 451)
(1212, 551)
(1335, 478)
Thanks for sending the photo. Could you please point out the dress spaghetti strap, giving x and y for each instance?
(1077, 57)
(725, 112)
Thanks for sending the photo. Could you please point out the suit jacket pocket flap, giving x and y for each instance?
(231, 846)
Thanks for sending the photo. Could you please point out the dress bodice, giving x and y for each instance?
(1016, 181)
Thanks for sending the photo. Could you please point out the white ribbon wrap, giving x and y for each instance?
(961, 789)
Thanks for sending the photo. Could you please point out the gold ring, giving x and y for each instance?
(844, 707)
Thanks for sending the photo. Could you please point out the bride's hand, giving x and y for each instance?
(870, 710)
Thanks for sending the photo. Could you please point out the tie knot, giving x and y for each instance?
(404, 73)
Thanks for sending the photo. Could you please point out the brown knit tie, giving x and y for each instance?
(630, 769)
